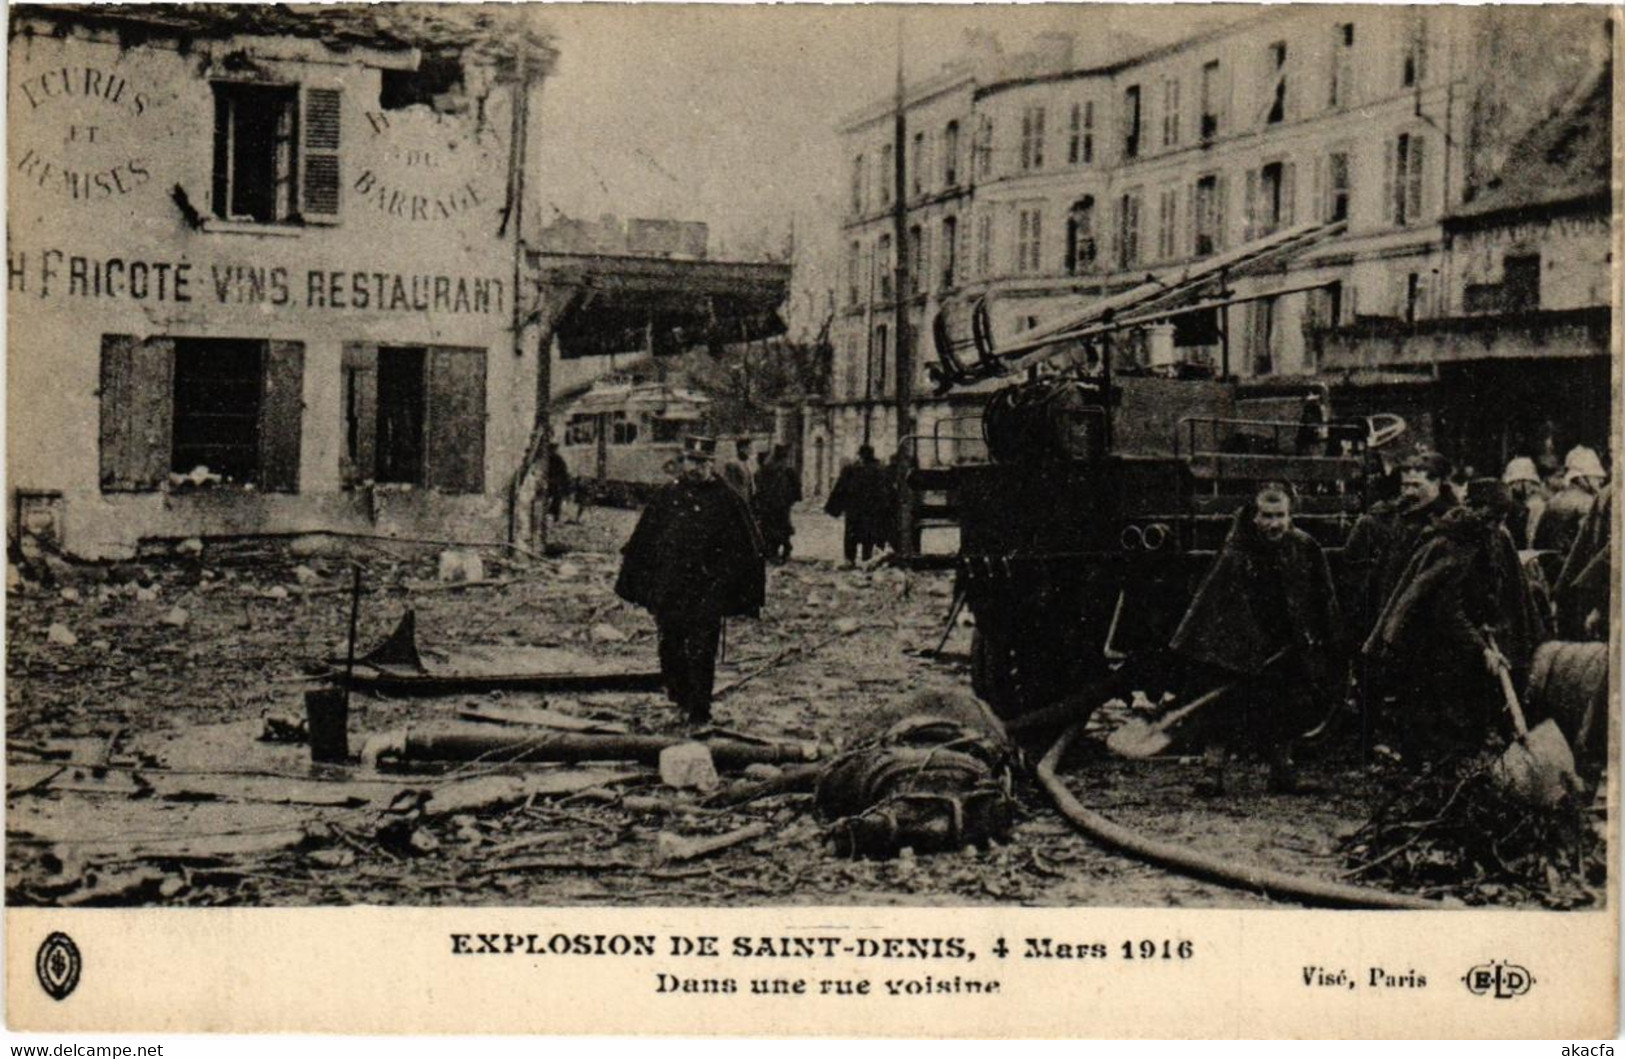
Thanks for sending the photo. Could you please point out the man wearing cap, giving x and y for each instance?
(693, 560)
(1583, 478)
(1528, 501)
(1383, 540)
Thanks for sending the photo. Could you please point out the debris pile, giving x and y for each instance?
(1456, 832)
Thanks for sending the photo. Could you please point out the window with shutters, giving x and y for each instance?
(1404, 174)
(1131, 121)
(1275, 84)
(1167, 220)
(916, 260)
(984, 245)
(232, 407)
(415, 415)
(1082, 252)
(1170, 113)
(878, 353)
(1341, 73)
(1211, 100)
(1414, 65)
(1032, 138)
(1273, 209)
(1336, 207)
(1029, 239)
(1128, 231)
(1207, 220)
(1261, 335)
(276, 153)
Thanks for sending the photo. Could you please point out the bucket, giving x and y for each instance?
(327, 716)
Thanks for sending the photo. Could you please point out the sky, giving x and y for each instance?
(727, 113)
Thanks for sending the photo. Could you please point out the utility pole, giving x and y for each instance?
(904, 384)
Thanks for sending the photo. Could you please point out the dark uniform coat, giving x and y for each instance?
(777, 490)
(1259, 597)
(1464, 578)
(1583, 584)
(694, 554)
(863, 493)
(1377, 551)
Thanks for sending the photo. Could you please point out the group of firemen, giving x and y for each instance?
(1443, 586)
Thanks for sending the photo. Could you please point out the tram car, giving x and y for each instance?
(621, 437)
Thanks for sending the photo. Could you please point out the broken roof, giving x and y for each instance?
(1565, 161)
(502, 32)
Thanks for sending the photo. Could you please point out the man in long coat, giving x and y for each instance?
(1463, 593)
(693, 560)
(1265, 616)
(863, 494)
(1581, 593)
(778, 487)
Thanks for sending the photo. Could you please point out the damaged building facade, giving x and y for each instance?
(1043, 182)
(262, 268)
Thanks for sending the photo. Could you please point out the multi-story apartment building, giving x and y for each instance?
(1061, 184)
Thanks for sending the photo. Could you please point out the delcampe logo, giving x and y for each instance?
(57, 964)
(1498, 979)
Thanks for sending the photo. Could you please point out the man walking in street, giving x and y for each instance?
(778, 487)
(693, 560)
(1266, 618)
(863, 495)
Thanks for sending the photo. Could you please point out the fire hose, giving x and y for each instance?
(1182, 859)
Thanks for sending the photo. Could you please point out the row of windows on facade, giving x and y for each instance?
(1031, 153)
(1269, 199)
(412, 415)
(868, 373)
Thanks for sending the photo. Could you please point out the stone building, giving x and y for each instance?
(1052, 184)
(263, 264)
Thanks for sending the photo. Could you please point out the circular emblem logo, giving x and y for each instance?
(57, 965)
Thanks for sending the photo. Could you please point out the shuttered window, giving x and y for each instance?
(231, 407)
(137, 381)
(320, 201)
(414, 415)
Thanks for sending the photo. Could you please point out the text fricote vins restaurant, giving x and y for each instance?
(57, 274)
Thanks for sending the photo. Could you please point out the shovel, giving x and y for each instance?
(1141, 739)
(1538, 767)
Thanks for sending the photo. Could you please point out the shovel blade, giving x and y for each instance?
(1539, 767)
(1137, 739)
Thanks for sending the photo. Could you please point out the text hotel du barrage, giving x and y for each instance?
(901, 966)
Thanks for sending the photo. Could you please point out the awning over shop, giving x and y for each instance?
(610, 304)
(1383, 343)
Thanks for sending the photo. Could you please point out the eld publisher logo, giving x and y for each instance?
(1498, 979)
(57, 964)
